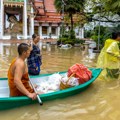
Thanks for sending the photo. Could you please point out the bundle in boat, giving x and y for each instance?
(78, 71)
(64, 85)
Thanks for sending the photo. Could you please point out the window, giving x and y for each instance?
(53, 30)
(36, 29)
(44, 30)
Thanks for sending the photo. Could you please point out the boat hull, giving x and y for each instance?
(13, 102)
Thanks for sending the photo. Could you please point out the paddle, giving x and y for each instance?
(38, 97)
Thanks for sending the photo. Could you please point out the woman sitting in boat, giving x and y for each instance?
(18, 79)
(34, 60)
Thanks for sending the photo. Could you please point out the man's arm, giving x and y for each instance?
(17, 80)
(112, 50)
(118, 56)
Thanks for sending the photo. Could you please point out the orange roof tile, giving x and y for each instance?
(47, 12)
(39, 4)
(44, 19)
(41, 11)
(52, 14)
(49, 5)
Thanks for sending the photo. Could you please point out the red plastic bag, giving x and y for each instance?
(81, 72)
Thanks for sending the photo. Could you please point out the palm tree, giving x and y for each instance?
(71, 8)
(108, 6)
(112, 6)
(109, 10)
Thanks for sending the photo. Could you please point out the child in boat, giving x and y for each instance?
(18, 79)
(34, 60)
(109, 58)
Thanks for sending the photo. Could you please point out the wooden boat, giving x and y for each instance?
(7, 102)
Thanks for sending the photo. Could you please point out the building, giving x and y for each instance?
(21, 18)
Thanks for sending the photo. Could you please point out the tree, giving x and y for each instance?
(71, 7)
(108, 9)
(111, 6)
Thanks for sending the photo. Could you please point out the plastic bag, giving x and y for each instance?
(81, 72)
(51, 84)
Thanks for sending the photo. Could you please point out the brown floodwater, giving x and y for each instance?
(99, 102)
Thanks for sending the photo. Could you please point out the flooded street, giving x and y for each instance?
(99, 102)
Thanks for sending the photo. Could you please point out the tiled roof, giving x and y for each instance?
(47, 11)
(41, 12)
(49, 5)
(50, 19)
(39, 4)
(53, 14)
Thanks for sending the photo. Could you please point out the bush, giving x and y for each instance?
(66, 41)
(68, 37)
(72, 34)
(69, 41)
(87, 34)
(79, 41)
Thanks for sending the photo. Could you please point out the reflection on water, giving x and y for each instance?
(7, 52)
(99, 102)
(54, 59)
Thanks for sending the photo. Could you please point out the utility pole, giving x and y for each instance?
(99, 27)
(99, 36)
(62, 18)
(98, 42)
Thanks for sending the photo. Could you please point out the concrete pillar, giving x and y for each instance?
(40, 31)
(1, 48)
(82, 32)
(49, 30)
(58, 31)
(32, 22)
(25, 20)
(1, 18)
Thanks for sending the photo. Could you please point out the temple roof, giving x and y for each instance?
(47, 11)
(49, 5)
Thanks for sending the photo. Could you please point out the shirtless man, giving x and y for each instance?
(18, 79)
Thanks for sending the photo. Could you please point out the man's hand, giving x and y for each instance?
(33, 96)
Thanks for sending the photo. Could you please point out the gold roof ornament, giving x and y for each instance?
(14, 3)
(13, 0)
